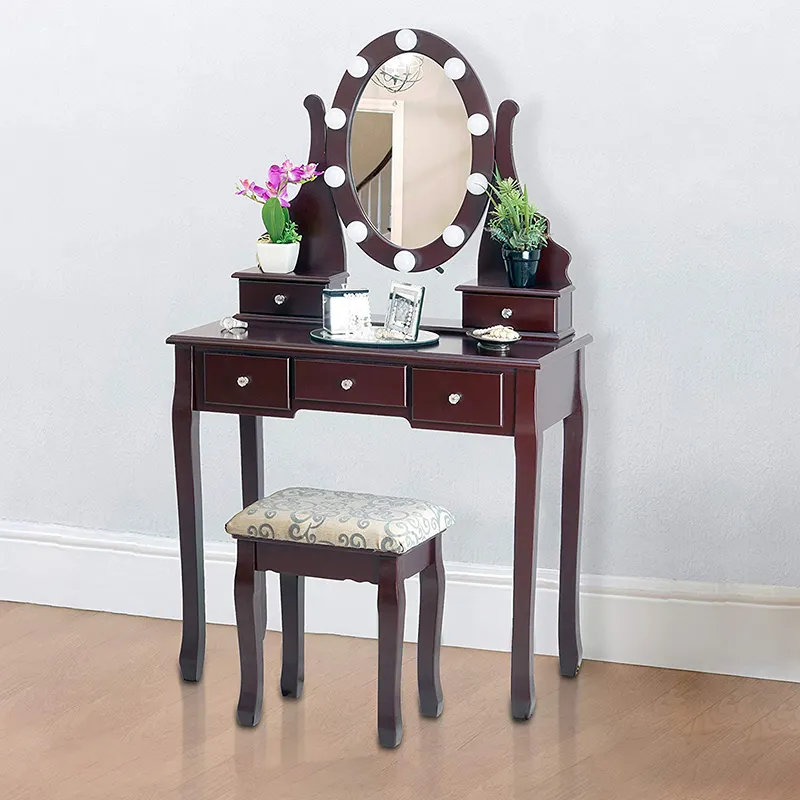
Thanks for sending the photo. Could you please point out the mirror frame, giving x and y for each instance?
(337, 150)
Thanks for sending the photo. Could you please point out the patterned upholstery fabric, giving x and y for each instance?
(342, 519)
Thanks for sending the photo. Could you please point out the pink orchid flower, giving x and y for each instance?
(293, 174)
(309, 172)
(278, 179)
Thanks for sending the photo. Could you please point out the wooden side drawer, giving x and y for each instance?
(345, 382)
(281, 298)
(534, 314)
(244, 381)
(452, 398)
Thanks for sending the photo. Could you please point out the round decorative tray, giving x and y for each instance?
(496, 346)
(424, 339)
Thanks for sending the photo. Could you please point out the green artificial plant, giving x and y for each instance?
(513, 220)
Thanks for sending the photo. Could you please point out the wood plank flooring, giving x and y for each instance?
(91, 706)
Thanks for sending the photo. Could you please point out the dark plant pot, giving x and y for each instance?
(521, 266)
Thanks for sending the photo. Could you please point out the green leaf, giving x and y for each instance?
(513, 219)
(275, 218)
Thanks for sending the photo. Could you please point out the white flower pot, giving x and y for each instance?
(279, 258)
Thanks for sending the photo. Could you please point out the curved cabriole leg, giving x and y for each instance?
(251, 448)
(292, 619)
(528, 458)
(251, 640)
(569, 630)
(431, 612)
(391, 619)
(186, 445)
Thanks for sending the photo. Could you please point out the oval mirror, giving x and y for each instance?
(409, 150)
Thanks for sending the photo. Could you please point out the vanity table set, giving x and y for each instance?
(275, 367)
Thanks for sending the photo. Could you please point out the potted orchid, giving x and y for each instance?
(278, 248)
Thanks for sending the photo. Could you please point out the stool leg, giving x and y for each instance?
(391, 619)
(251, 642)
(431, 611)
(293, 590)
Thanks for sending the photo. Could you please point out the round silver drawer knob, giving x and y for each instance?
(347, 384)
(506, 313)
(243, 381)
(454, 398)
(280, 299)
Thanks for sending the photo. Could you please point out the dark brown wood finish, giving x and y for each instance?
(455, 397)
(429, 640)
(528, 451)
(348, 382)
(281, 298)
(540, 383)
(391, 618)
(522, 313)
(246, 382)
(322, 247)
(269, 297)
(251, 448)
(251, 639)
(186, 444)
(575, 425)
(338, 150)
(293, 600)
(454, 350)
(388, 571)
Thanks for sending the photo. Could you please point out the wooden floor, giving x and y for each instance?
(91, 706)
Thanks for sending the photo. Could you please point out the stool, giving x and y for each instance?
(302, 532)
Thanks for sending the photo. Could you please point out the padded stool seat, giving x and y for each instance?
(343, 519)
(303, 532)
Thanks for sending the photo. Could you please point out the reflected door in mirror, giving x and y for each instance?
(410, 150)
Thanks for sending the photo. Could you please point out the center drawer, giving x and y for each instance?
(346, 382)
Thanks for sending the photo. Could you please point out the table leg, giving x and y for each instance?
(528, 462)
(569, 631)
(186, 445)
(251, 446)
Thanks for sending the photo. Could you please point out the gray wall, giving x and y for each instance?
(662, 141)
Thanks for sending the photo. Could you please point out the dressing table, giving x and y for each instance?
(275, 369)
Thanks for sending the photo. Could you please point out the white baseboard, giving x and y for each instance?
(731, 629)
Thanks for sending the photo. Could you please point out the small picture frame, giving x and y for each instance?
(405, 310)
(346, 312)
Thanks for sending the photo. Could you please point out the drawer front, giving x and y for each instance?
(279, 298)
(457, 398)
(245, 381)
(344, 382)
(533, 314)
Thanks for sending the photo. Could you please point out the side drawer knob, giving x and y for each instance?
(454, 398)
(506, 313)
(347, 384)
(243, 380)
(280, 299)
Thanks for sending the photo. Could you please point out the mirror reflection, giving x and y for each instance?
(410, 150)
